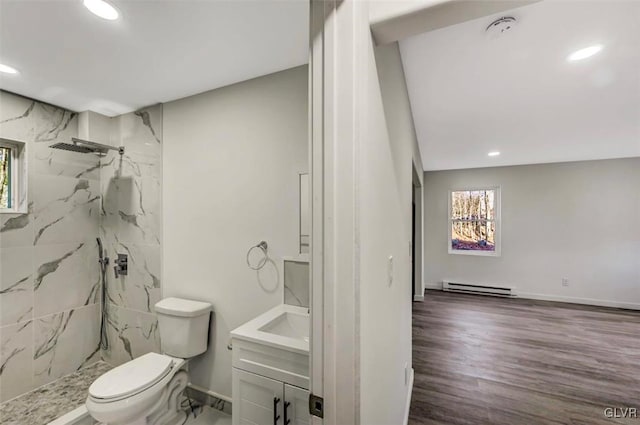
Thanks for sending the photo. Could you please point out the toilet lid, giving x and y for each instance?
(132, 377)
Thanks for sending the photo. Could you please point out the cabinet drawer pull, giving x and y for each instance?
(276, 400)
(286, 406)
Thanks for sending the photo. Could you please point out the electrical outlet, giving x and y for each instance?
(565, 281)
(390, 270)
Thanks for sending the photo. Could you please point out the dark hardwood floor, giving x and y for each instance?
(486, 360)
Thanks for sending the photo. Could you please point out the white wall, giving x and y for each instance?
(230, 179)
(384, 206)
(576, 220)
(399, 117)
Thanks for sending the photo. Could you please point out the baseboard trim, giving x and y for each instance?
(577, 300)
(418, 297)
(409, 393)
(560, 298)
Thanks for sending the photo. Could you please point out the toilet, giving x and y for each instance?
(148, 390)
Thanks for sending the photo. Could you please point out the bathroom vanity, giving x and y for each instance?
(271, 368)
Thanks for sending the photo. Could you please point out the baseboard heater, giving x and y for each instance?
(496, 291)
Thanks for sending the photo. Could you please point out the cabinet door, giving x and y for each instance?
(256, 400)
(297, 405)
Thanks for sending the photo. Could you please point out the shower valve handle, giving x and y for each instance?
(121, 265)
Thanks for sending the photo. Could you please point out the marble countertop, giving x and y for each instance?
(46, 403)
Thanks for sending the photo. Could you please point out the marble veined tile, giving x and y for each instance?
(131, 209)
(296, 283)
(141, 131)
(16, 229)
(16, 285)
(66, 210)
(65, 342)
(16, 359)
(55, 162)
(131, 164)
(140, 288)
(66, 276)
(15, 117)
(52, 124)
(58, 125)
(139, 211)
(131, 334)
(40, 125)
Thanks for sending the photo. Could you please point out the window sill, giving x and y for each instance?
(476, 253)
(16, 211)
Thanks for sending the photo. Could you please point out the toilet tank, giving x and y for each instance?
(184, 326)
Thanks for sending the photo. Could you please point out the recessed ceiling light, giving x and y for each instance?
(585, 53)
(102, 9)
(494, 153)
(7, 69)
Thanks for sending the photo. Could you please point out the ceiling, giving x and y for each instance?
(472, 93)
(157, 51)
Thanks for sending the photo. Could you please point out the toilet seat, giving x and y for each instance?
(131, 378)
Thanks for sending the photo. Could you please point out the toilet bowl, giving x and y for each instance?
(148, 389)
(138, 389)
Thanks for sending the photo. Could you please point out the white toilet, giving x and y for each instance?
(148, 390)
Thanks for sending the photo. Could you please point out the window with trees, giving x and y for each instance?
(12, 177)
(5, 177)
(474, 221)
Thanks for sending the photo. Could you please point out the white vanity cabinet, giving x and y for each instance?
(271, 368)
(258, 400)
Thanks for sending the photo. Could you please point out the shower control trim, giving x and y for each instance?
(121, 265)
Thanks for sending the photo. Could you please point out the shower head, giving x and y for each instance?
(85, 146)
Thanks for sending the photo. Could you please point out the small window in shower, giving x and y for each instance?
(13, 177)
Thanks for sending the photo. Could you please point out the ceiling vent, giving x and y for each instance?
(501, 26)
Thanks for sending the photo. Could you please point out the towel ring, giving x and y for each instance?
(263, 246)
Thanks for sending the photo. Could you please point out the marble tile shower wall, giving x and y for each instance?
(130, 224)
(49, 276)
(49, 284)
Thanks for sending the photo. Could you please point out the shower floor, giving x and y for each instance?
(48, 402)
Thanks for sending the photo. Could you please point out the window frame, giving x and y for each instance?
(497, 221)
(17, 177)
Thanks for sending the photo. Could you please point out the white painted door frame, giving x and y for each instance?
(334, 227)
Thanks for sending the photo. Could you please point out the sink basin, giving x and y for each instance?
(284, 327)
(289, 324)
